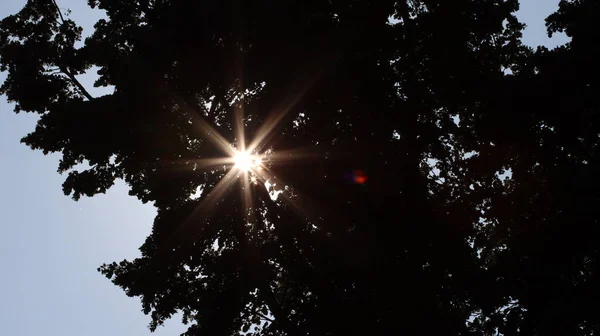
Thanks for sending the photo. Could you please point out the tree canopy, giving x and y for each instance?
(415, 168)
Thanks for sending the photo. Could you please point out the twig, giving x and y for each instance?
(277, 311)
(64, 69)
(58, 10)
(266, 317)
(76, 82)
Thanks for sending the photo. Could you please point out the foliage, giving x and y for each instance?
(475, 213)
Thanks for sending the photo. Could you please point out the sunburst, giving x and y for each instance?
(246, 162)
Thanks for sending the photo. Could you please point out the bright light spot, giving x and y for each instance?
(273, 193)
(253, 179)
(196, 195)
(244, 161)
(456, 119)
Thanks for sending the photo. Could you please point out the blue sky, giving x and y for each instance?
(50, 245)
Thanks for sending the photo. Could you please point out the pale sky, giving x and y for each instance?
(51, 246)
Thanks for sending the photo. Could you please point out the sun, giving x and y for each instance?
(245, 161)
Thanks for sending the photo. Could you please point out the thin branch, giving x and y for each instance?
(277, 311)
(64, 69)
(266, 317)
(76, 82)
(58, 10)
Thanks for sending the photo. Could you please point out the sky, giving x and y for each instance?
(51, 246)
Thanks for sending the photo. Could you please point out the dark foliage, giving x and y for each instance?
(441, 178)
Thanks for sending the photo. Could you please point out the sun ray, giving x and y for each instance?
(284, 156)
(238, 128)
(205, 130)
(198, 164)
(247, 197)
(202, 211)
(211, 199)
(274, 119)
(219, 190)
(296, 202)
(211, 163)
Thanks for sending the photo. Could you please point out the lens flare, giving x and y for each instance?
(240, 159)
(244, 161)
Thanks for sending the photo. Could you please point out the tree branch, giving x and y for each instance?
(64, 69)
(277, 311)
(76, 82)
(263, 316)
(62, 19)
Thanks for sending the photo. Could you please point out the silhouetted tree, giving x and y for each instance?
(435, 176)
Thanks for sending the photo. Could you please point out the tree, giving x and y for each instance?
(547, 220)
(382, 130)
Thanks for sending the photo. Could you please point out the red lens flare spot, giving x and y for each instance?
(360, 177)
